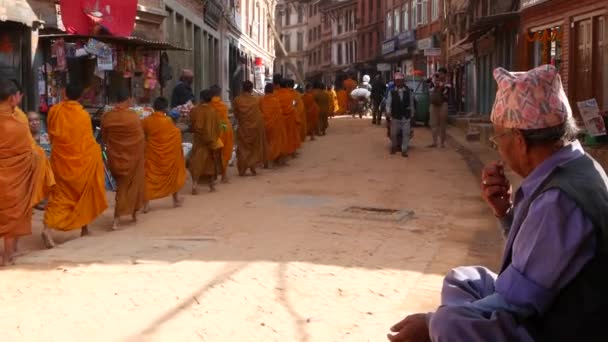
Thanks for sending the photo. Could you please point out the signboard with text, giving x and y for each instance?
(406, 39)
(432, 52)
(389, 46)
(383, 67)
(425, 43)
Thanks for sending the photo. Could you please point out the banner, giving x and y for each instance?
(87, 17)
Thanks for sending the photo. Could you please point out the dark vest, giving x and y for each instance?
(400, 109)
(580, 311)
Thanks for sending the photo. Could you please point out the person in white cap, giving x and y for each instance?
(400, 108)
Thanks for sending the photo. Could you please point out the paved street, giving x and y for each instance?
(277, 257)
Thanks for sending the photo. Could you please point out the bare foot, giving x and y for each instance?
(134, 216)
(47, 239)
(194, 191)
(254, 172)
(7, 256)
(84, 231)
(177, 202)
(146, 208)
(225, 180)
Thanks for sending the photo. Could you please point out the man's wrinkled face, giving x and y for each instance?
(512, 148)
(34, 120)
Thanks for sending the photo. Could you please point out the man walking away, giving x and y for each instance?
(439, 89)
(378, 90)
(400, 107)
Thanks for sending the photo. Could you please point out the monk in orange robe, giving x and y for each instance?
(273, 124)
(287, 101)
(123, 135)
(165, 164)
(349, 85)
(301, 117)
(312, 112)
(342, 102)
(324, 102)
(205, 124)
(227, 133)
(79, 195)
(332, 101)
(251, 134)
(21, 171)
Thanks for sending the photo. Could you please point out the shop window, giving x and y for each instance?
(435, 10)
(545, 47)
(389, 25)
(405, 17)
(300, 15)
(300, 41)
(397, 21)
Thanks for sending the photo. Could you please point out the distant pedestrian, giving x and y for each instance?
(378, 91)
(439, 90)
(400, 108)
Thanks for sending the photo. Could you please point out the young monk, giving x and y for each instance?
(165, 165)
(123, 135)
(312, 112)
(287, 101)
(251, 137)
(79, 195)
(21, 170)
(205, 123)
(342, 98)
(273, 124)
(301, 110)
(227, 133)
(323, 101)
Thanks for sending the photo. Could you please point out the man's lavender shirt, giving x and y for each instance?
(552, 245)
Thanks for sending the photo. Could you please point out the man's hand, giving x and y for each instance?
(496, 189)
(412, 328)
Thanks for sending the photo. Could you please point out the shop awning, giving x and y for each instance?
(130, 41)
(18, 11)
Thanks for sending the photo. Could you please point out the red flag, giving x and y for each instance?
(84, 16)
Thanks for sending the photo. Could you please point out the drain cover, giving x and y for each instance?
(373, 214)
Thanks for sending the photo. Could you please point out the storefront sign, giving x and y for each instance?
(389, 46)
(529, 3)
(432, 52)
(383, 67)
(425, 43)
(406, 39)
(594, 122)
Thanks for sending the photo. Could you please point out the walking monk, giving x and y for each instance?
(301, 117)
(287, 101)
(323, 101)
(123, 135)
(203, 163)
(227, 133)
(165, 164)
(250, 135)
(273, 124)
(312, 112)
(21, 169)
(335, 107)
(342, 98)
(79, 195)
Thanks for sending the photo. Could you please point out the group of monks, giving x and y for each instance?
(145, 157)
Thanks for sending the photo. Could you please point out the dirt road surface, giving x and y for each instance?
(277, 257)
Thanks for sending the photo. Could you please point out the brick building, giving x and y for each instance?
(340, 28)
(370, 33)
(412, 35)
(572, 35)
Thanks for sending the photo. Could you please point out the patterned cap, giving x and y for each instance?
(530, 100)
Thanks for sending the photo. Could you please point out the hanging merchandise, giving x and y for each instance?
(58, 51)
(150, 76)
(97, 48)
(105, 63)
(165, 72)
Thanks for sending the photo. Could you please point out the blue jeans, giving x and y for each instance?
(400, 128)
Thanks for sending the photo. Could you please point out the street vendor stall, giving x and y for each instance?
(99, 64)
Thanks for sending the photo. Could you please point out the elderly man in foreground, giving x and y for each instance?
(552, 283)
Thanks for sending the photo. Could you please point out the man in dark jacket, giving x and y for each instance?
(182, 93)
(400, 108)
(378, 90)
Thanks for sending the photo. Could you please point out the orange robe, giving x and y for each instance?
(273, 124)
(251, 134)
(312, 112)
(123, 136)
(205, 123)
(227, 133)
(301, 118)
(292, 141)
(165, 164)
(349, 85)
(333, 104)
(79, 195)
(20, 169)
(342, 102)
(45, 180)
